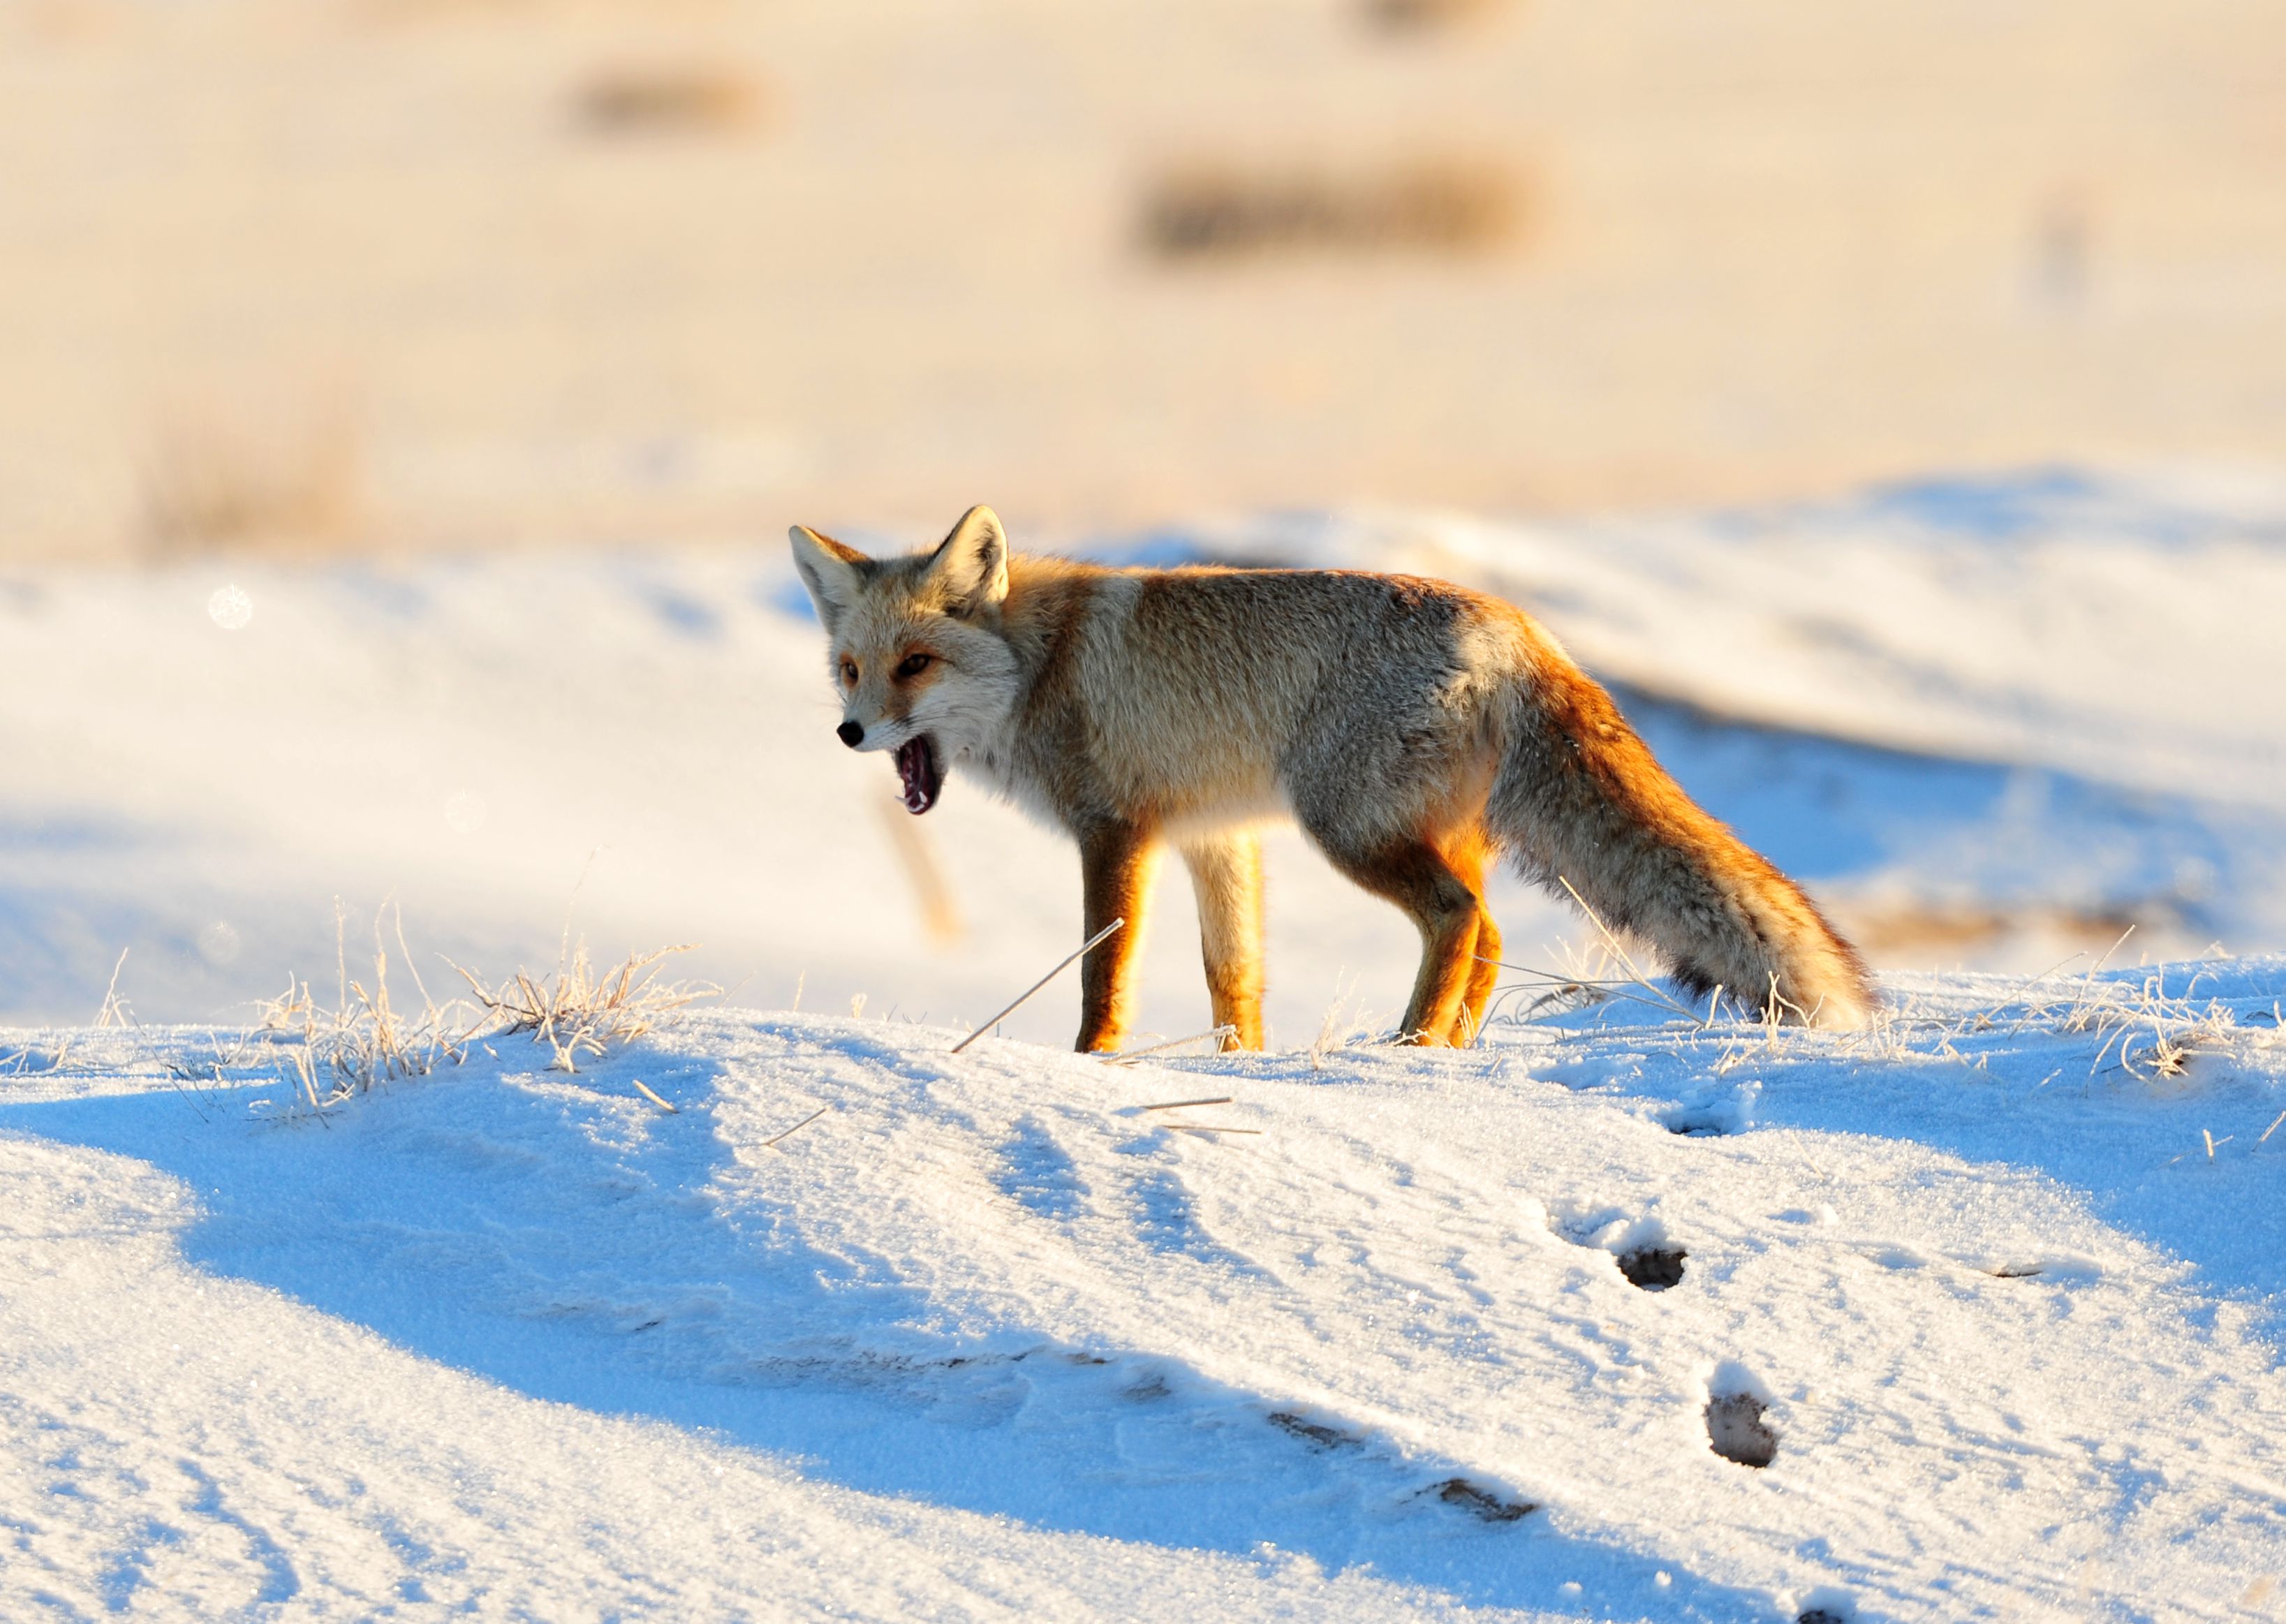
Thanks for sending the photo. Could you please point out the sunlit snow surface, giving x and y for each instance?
(988, 1338)
(992, 1337)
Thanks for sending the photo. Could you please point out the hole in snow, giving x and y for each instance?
(1819, 1615)
(1735, 1430)
(1482, 1503)
(1654, 1268)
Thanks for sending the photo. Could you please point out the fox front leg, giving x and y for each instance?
(1226, 876)
(1116, 861)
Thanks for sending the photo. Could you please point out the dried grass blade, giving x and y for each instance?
(798, 1127)
(1081, 952)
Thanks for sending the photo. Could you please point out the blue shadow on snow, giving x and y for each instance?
(527, 1235)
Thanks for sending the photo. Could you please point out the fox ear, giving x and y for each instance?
(834, 573)
(971, 566)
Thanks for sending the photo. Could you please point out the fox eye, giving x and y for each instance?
(914, 664)
(848, 673)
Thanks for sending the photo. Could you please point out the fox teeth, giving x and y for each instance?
(916, 767)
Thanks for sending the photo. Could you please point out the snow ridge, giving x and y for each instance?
(1619, 1316)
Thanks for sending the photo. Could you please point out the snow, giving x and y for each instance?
(1008, 1333)
(992, 1336)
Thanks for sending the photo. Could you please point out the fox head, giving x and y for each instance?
(915, 648)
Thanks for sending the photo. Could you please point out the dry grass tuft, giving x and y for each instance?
(2140, 1029)
(365, 1039)
(1587, 976)
(2149, 1032)
(1206, 212)
(113, 1011)
(577, 1012)
(1343, 1025)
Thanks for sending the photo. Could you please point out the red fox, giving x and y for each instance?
(1415, 730)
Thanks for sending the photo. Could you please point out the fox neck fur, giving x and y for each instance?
(1416, 732)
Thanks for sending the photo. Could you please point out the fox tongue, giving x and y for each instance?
(923, 778)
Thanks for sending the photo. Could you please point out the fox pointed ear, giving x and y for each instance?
(971, 566)
(834, 574)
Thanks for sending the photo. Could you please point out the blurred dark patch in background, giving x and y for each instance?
(638, 100)
(1439, 207)
(326, 276)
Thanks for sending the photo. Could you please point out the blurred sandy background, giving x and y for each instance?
(408, 274)
(1626, 308)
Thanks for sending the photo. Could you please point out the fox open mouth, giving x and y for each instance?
(917, 765)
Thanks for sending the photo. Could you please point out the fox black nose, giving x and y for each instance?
(853, 734)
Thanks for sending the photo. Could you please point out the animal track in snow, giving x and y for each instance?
(1654, 1268)
(1736, 1405)
(1647, 1255)
(1314, 1432)
(1486, 1505)
(1482, 1503)
(1712, 1113)
(2054, 1268)
(1737, 1431)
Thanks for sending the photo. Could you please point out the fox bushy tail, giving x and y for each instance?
(1579, 801)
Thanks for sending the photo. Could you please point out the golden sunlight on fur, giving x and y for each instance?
(1416, 732)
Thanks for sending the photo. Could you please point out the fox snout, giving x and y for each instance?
(851, 733)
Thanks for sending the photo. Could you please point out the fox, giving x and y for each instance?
(1416, 731)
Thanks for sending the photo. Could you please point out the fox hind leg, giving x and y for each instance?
(1444, 907)
(1116, 863)
(1226, 877)
(1469, 858)
(1482, 975)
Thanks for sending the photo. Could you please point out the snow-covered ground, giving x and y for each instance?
(1996, 1287)
(995, 1335)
